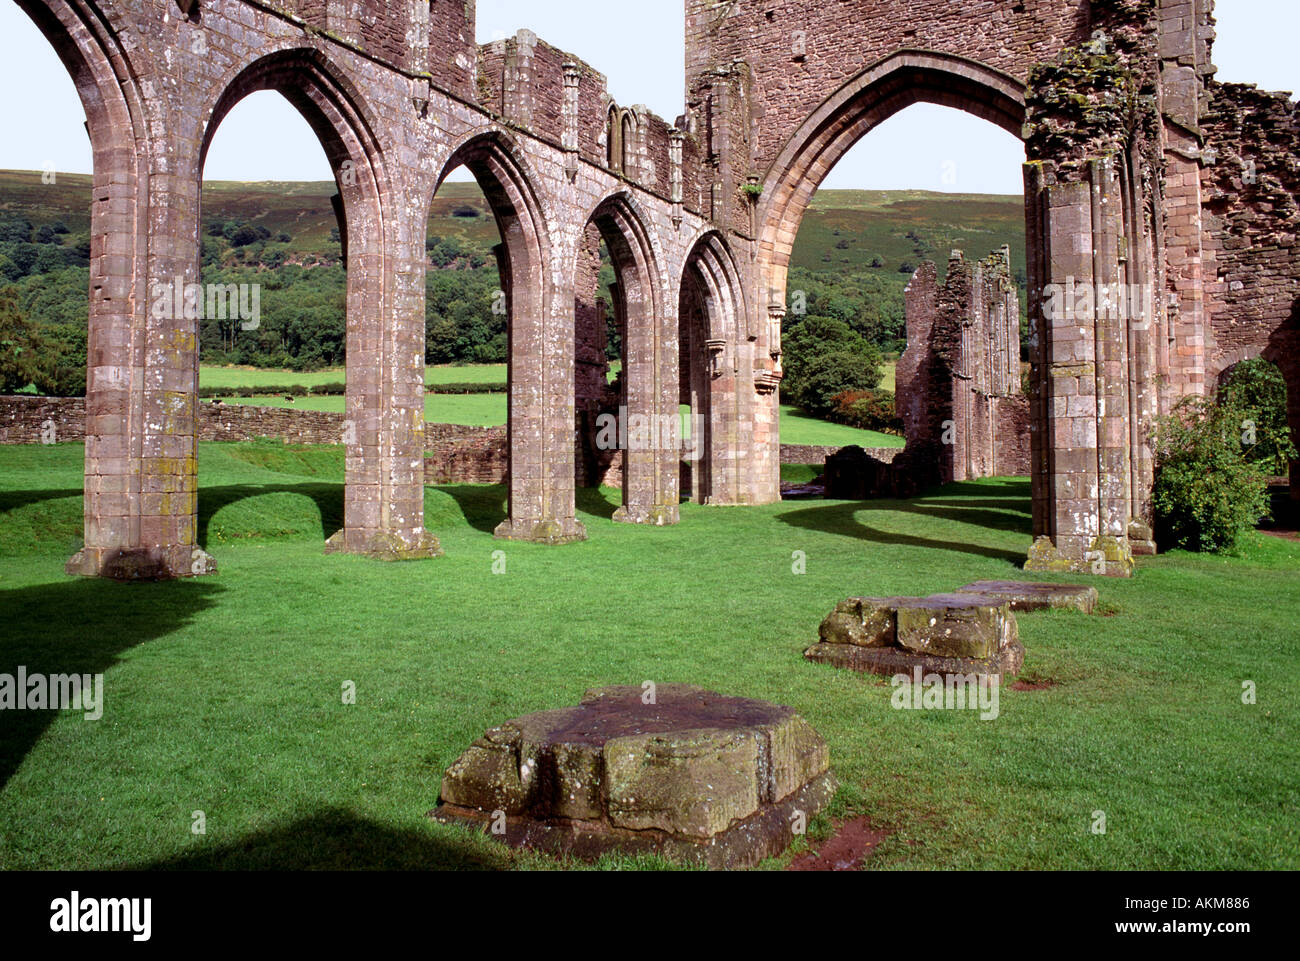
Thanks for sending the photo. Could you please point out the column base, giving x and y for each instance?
(1141, 539)
(660, 516)
(141, 564)
(384, 545)
(1106, 557)
(568, 531)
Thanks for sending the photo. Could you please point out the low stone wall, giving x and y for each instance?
(457, 454)
(454, 454)
(808, 454)
(465, 455)
(35, 420)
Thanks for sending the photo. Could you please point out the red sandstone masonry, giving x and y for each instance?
(776, 94)
(455, 454)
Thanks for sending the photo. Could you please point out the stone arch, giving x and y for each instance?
(892, 84)
(540, 433)
(337, 114)
(650, 426)
(712, 328)
(895, 83)
(509, 185)
(120, 537)
(384, 426)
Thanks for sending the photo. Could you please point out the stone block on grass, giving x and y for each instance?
(1025, 596)
(693, 775)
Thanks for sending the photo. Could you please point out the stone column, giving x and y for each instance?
(383, 513)
(1079, 367)
(141, 494)
(652, 455)
(542, 408)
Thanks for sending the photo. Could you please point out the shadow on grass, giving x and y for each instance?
(596, 501)
(328, 498)
(12, 500)
(997, 505)
(336, 840)
(482, 505)
(82, 626)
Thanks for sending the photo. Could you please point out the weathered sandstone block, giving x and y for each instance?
(1034, 596)
(955, 625)
(694, 775)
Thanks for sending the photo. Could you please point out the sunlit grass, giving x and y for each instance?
(223, 694)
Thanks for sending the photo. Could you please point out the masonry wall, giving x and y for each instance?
(958, 383)
(812, 454)
(1251, 224)
(454, 454)
(1252, 219)
(781, 60)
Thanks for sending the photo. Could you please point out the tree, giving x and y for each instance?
(825, 357)
(26, 359)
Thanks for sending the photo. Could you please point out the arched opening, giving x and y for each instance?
(45, 236)
(627, 142)
(869, 290)
(614, 141)
(273, 270)
(540, 505)
(710, 316)
(272, 322)
(647, 428)
(383, 425)
(598, 362)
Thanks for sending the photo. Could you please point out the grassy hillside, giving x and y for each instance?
(854, 255)
(302, 210)
(843, 232)
(847, 230)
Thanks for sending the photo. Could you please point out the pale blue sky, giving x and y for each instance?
(925, 147)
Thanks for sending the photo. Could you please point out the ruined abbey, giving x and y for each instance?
(1161, 221)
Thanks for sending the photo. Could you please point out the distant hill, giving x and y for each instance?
(843, 230)
(855, 253)
(846, 230)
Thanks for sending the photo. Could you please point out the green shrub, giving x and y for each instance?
(1206, 493)
(867, 410)
(1255, 394)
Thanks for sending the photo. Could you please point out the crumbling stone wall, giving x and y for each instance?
(1252, 218)
(1251, 190)
(959, 381)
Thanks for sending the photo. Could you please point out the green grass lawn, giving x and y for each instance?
(798, 428)
(223, 694)
(474, 410)
(210, 376)
(488, 410)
